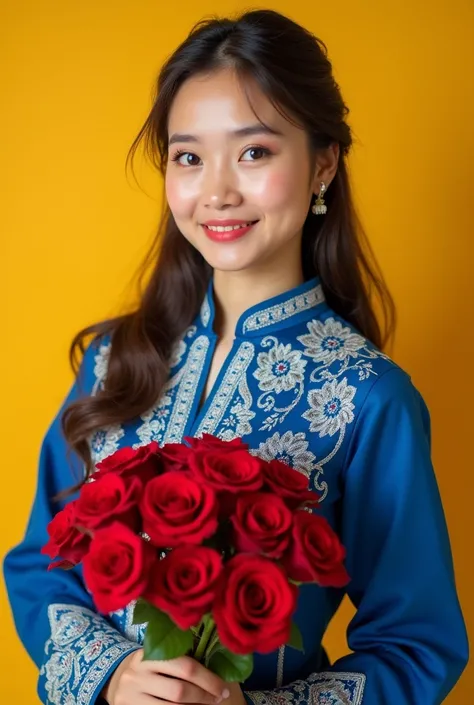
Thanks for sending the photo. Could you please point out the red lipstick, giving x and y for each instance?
(239, 229)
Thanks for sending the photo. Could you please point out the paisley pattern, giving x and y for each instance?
(82, 647)
(319, 689)
(237, 422)
(290, 387)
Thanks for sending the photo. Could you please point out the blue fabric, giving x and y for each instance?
(299, 384)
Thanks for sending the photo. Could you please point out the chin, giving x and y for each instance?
(228, 266)
(232, 262)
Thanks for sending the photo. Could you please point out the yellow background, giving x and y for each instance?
(76, 86)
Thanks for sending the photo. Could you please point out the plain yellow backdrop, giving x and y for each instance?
(76, 86)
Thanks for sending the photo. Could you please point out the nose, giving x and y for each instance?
(220, 189)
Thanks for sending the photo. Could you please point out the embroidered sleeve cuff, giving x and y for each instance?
(80, 656)
(327, 688)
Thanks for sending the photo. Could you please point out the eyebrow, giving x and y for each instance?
(241, 132)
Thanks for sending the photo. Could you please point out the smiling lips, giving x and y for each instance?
(227, 230)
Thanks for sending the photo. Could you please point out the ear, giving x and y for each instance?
(325, 166)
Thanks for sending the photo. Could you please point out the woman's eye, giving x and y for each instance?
(255, 153)
(186, 159)
(251, 154)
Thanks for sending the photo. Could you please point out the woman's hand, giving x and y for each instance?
(138, 682)
(236, 696)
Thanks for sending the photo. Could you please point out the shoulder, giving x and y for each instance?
(382, 380)
(348, 366)
(336, 352)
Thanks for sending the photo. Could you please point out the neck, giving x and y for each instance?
(235, 292)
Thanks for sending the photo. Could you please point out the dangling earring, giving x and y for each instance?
(319, 207)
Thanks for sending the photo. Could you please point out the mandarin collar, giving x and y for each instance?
(273, 314)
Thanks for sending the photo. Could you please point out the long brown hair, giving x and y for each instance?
(291, 66)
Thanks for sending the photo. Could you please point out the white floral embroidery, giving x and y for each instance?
(331, 407)
(258, 392)
(234, 373)
(237, 422)
(154, 420)
(181, 346)
(177, 354)
(325, 688)
(82, 648)
(104, 442)
(124, 621)
(166, 421)
(101, 361)
(290, 448)
(284, 310)
(186, 392)
(295, 382)
(205, 311)
(329, 341)
(293, 449)
(280, 369)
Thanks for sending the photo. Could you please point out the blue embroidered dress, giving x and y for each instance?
(301, 385)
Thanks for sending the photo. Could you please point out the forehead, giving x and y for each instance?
(222, 101)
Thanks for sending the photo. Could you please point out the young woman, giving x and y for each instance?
(256, 322)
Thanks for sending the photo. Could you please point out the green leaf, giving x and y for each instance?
(296, 639)
(231, 667)
(143, 611)
(164, 640)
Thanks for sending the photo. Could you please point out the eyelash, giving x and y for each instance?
(179, 153)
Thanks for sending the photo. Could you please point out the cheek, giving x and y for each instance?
(278, 189)
(181, 197)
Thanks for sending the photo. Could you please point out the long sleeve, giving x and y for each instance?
(74, 648)
(408, 636)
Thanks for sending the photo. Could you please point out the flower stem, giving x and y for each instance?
(206, 635)
(211, 644)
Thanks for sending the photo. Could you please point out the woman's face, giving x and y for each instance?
(225, 166)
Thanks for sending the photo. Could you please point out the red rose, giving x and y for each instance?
(117, 567)
(176, 509)
(288, 483)
(209, 442)
(231, 471)
(262, 524)
(144, 462)
(114, 498)
(184, 584)
(175, 456)
(254, 605)
(315, 553)
(65, 539)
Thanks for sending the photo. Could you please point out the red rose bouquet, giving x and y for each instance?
(209, 541)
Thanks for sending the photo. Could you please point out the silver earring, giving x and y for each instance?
(319, 207)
